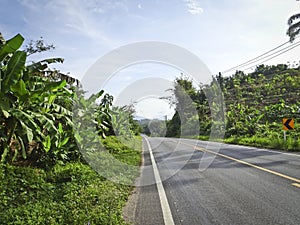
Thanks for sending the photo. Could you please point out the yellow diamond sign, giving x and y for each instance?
(288, 124)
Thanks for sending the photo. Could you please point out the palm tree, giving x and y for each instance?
(294, 26)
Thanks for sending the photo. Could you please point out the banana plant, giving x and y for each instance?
(12, 66)
(31, 105)
(91, 119)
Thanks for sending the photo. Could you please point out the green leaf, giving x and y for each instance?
(28, 131)
(47, 143)
(55, 86)
(5, 113)
(38, 66)
(64, 142)
(25, 118)
(24, 155)
(5, 153)
(60, 128)
(19, 88)
(4, 104)
(11, 46)
(94, 97)
(14, 68)
(51, 98)
(59, 109)
(52, 60)
(16, 151)
(43, 64)
(48, 123)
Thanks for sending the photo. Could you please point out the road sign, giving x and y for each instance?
(288, 124)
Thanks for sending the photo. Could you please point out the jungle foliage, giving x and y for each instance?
(44, 176)
(254, 106)
(37, 105)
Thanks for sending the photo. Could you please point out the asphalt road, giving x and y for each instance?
(207, 185)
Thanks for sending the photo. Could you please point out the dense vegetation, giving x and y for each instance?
(255, 105)
(44, 177)
(67, 194)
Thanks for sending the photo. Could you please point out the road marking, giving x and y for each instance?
(167, 214)
(296, 184)
(264, 150)
(245, 163)
(245, 147)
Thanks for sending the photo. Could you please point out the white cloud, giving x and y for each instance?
(193, 6)
(80, 17)
(30, 4)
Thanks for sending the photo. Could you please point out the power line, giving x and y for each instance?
(262, 56)
(279, 51)
(290, 48)
(235, 67)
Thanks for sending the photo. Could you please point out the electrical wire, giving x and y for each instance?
(264, 55)
(249, 61)
(290, 48)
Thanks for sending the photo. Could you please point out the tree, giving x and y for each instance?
(37, 46)
(185, 120)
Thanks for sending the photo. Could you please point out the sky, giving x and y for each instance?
(222, 33)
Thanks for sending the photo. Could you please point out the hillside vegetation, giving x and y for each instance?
(254, 106)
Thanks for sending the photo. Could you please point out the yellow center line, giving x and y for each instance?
(297, 184)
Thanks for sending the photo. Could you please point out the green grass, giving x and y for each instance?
(203, 138)
(122, 149)
(266, 142)
(271, 142)
(67, 194)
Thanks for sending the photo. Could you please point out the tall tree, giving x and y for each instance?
(294, 26)
(185, 118)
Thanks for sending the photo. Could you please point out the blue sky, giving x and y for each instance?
(222, 33)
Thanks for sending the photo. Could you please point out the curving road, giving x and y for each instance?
(212, 183)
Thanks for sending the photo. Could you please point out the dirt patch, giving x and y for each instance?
(129, 209)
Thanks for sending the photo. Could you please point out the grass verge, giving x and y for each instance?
(67, 194)
(291, 144)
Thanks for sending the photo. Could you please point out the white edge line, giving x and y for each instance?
(167, 214)
(249, 147)
(264, 150)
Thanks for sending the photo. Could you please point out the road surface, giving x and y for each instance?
(241, 185)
